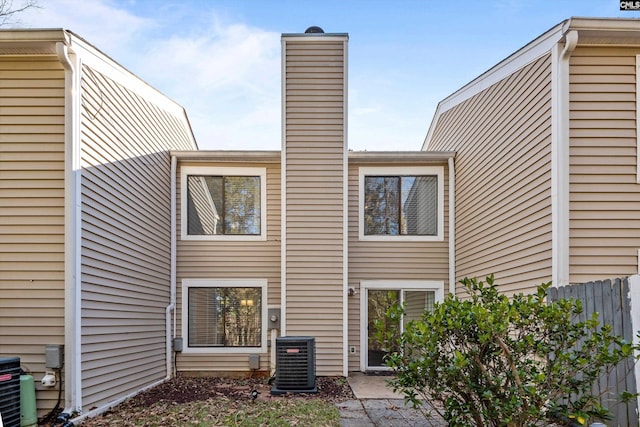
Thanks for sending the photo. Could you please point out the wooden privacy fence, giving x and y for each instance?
(612, 301)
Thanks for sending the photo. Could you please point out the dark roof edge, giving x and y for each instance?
(315, 35)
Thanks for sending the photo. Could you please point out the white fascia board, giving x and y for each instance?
(527, 54)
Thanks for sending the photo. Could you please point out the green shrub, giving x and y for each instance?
(493, 360)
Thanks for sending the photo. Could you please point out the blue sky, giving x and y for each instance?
(220, 59)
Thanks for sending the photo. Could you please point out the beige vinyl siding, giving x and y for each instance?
(215, 259)
(388, 260)
(31, 213)
(502, 137)
(314, 149)
(605, 198)
(125, 237)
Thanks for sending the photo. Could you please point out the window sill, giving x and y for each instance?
(223, 238)
(401, 238)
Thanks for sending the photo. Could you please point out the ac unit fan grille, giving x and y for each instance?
(10, 391)
(295, 365)
(293, 361)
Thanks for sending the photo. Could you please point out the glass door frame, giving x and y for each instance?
(436, 286)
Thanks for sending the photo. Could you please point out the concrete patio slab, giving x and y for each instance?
(371, 386)
(378, 406)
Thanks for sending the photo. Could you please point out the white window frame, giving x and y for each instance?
(401, 171)
(437, 286)
(224, 283)
(185, 171)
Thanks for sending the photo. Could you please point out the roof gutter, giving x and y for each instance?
(72, 226)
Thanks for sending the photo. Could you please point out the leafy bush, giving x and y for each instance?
(491, 360)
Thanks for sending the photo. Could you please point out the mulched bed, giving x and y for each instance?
(184, 389)
(224, 392)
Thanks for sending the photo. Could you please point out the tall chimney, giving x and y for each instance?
(314, 193)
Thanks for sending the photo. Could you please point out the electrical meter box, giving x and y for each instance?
(54, 356)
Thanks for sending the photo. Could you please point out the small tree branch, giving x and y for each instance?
(512, 365)
(8, 11)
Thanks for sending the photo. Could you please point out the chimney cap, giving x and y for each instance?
(314, 30)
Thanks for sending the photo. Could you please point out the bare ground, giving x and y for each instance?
(222, 393)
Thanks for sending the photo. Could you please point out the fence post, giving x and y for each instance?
(634, 296)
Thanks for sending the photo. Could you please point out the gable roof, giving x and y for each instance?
(44, 42)
(592, 31)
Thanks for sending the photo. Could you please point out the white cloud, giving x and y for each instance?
(228, 79)
(219, 57)
(113, 30)
(226, 73)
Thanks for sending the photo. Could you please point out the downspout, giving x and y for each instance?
(452, 226)
(73, 229)
(345, 221)
(283, 197)
(560, 160)
(172, 302)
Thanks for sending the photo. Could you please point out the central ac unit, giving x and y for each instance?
(295, 365)
(10, 391)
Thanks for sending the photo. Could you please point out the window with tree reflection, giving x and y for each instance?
(401, 205)
(224, 316)
(223, 205)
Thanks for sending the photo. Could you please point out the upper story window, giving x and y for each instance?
(223, 203)
(401, 203)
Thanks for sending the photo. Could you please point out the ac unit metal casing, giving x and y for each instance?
(295, 365)
(10, 391)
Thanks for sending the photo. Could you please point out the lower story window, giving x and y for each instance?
(224, 314)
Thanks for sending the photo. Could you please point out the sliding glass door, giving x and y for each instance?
(377, 298)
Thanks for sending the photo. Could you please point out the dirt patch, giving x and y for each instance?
(228, 391)
(184, 389)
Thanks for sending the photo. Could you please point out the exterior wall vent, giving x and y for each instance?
(314, 30)
(295, 365)
(10, 391)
